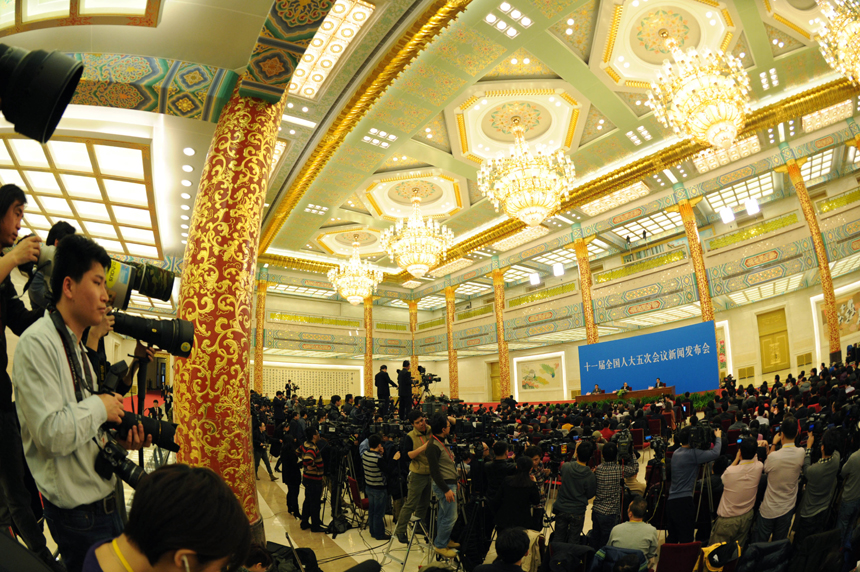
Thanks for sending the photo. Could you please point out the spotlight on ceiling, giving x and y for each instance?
(534, 279)
(558, 269)
(727, 214)
(752, 206)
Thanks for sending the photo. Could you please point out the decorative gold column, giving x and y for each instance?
(697, 256)
(453, 377)
(580, 247)
(368, 346)
(793, 168)
(260, 323)
(499, 307)
(413, 328)
(212, 400)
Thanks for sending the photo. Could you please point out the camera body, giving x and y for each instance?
(702, 436)
(113, 459)
(623, 438)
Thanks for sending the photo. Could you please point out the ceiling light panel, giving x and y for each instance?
(102, 188)
(301, 291)
(615, 199)
(316, 209)
(516, 273)
(339, 28)
(846, 265)
(738, 193)
(712, 158)
(524, 236)
(563, 255)
(768, 290)
(472, 288)
(665, 316)
(280, 147)
(817, 165)
(653, 224)
(412, 284)
(827, 116)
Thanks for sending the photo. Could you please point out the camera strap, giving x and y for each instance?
(80, 379)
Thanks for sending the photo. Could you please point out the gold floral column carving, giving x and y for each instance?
(793, 168)
(697, 256)
(453, 376)
(211, 391)
(580, 247)
(499, 307)
(260, 323)
(368, 346)
(413, 329)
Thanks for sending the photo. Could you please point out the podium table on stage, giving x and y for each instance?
(628, 396)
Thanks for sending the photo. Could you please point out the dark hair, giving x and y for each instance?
(749, 448)
(500, 448)
(533, 451)
(627, 563)
(178, 506)
(382, 367)
(830, 440)
(638, 506)
(75, 257)
(512, 545)
(585, 451)
(9, 195)
(374, 441)
(789, 427)
(335, 399)
(610, 452)
(58, 232)
(522, 476)
(415, 415)
(406, 363)
(309, 434)
(721, 464)
(438, 423)
(258, 555)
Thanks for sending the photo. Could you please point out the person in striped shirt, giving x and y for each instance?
(376, 469)
(312, 480)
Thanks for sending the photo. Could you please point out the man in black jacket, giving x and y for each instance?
(260, 452)
(383, 392)
(404, 389)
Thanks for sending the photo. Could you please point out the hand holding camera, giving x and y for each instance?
(27, 250)
(113, 406)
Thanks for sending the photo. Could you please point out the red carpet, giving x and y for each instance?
(130, 403)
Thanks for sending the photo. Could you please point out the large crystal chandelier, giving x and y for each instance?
(839, 38)
(356, 279)
(417, 244)
(704, 95)
(529, 187)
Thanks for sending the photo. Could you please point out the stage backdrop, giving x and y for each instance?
(684, 357)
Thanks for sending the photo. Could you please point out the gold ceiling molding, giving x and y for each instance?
(568, 98)
(724, 45)
(610, 71)
(767, 7)
(419, 36)
(711, 3)
(728, 18)
(402, 178)
(474, 158)
(293, 263)
(791, 25)
(469, 103)
(639, 84)
(372, 201)
(613, 33)
(568, 139)
(516, 92)
(461, 127)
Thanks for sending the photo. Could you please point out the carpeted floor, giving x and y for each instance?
(130, 403)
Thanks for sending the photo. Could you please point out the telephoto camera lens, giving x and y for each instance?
(162, 432)
(173, 336)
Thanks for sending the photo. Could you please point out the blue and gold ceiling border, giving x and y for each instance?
(148, 18)
(143, 83)
(286, 34)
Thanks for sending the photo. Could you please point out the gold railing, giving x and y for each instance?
(488, 309)
(431, 324)
(308, 319)
(392, 326)
(839, 201)
(642, 266)
(542, 294)
(753, 231)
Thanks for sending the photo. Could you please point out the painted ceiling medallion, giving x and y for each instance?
(403, 192)
(350, 238)
(528, 186)
(703, 96)
(355, 279)
(650, 46)
(529, 115)
(417, 244)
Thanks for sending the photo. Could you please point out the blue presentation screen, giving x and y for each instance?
(684, 357)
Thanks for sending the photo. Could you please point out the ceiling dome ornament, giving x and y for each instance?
(703, 96)
(529, 187)
(839, 37)
(355, 279)
(417, 244)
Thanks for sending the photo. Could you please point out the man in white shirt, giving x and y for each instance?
(783, 477)
(740, 487)
(61, 415)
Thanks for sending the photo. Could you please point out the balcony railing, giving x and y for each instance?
(312, 319)
(488, 309)
(838, 201)
(641, 266)
(753, 231)
(542, 294)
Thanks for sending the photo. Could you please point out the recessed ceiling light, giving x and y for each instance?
(187, 168)
(569, 31)
(185, 234)
(185, 196)
(184, 242)
(184, 226)
(305, 109)
(185, 207)
(292, 131)
(186, 183)
(184, 217)
(265, 205)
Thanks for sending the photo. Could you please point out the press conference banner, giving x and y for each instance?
(684, 357)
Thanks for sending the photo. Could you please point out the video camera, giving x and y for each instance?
(427, 378)
(702, 436)
(623, 438)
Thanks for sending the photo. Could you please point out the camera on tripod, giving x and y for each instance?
(427, 378)
(816, 423)
(623, 438)
(702, 436)
(555, 448)
(658, 445)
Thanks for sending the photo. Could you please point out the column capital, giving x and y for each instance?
(413, 305)
(263, 285)
(450, 292)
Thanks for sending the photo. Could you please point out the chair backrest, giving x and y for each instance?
(732, 435)
(668, 417)
(726, 423)
(677, 557)
(606, 557)
(654, 427)
(638, 438)
(354, 493)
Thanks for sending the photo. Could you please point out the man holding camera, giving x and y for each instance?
(820, 486)
(740, 488)
(414, 446)
(443, 471)
(680, 509)
(782, 467)
(606, 512)
(61, 411)
(578, 485)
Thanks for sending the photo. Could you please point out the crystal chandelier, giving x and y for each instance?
(839, 38)
(704, 95)
(529, 187)
(417, 244)
(355, 280)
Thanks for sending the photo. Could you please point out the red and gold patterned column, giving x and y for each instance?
(499, 307)
(584, 266)
(212, 400)
(793, 168)
(413, 329)
(260, 323)
(368, 346)
(453, 376)
(697, 256)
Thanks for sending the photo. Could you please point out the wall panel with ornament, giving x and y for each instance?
(313, 381)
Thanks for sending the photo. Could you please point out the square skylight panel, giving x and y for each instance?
(735, 195)
(817, 166)
(563, 255)
(70, 156)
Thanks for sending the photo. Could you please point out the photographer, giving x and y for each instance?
(499, 469)
(383, 389)
(680, 509)
(820, 486)
(606, 511)
(443, 471)
(404, 390)
(578, 485)
(258, 435)
(313, 481)
(414, 446)
(517, 494)
(40, 291)
(61, 414)
(782, 467)
(740, 488)
(376, 470)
